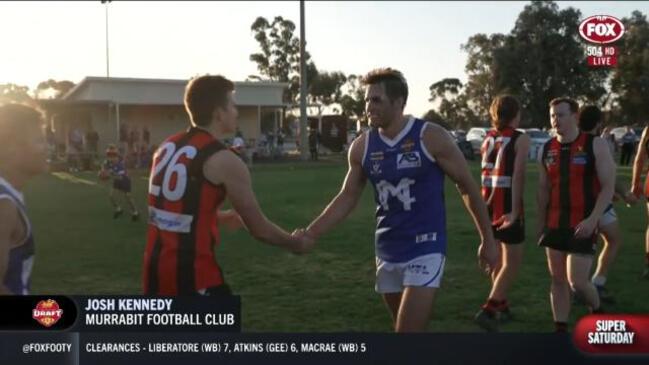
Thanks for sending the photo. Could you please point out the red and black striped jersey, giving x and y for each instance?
(572, 176)
(498, 156)
(183, 223)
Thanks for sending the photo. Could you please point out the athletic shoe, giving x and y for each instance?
(505, 315)
(486, 320)
(135, 217)
(117, 214)
(645, 274)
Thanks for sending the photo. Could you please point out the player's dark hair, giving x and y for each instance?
(503, 110)
(393, 81)
(574, 106)
(15, 119)
(203, 95)
(589, 117)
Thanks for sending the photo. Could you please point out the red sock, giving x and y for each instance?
(503, 306)
(491, 305)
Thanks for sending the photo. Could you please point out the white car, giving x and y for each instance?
(537, 140)
(475, 136)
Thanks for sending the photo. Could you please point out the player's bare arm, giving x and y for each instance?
(239, 192)
(440, 145)
(606, 175)
(542, 197)
(347, 199)
(230, 218)
(638, 163)
(9, 220)
(522, 148)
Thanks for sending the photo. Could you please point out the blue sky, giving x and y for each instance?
(66, 40)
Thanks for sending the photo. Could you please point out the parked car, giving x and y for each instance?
(464, 145)
(619, 132)
(537, 140)
(475, 136)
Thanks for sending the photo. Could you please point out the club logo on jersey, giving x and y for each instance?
(408, 160)
(376, 156)
(401, 191)
(376, 168)
(47, 312)
(407, 145)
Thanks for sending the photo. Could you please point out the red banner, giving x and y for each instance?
(612, 334)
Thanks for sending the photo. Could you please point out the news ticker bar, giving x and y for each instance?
(94, 348)
(120, 313)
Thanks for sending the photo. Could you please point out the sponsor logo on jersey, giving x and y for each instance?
(376, 156)
(418, 269)
(169, 221)
(408, 160)
(426, 237)
(407, 145)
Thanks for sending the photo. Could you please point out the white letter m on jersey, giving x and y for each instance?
(401, 192)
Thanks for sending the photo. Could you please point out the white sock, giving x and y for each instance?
(599, 280)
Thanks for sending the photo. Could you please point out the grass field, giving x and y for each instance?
(82, 250)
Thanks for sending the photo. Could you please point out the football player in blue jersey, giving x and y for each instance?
(115, 166)
(23, 154)
(406, 159)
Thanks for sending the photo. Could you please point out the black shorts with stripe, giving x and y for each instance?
(123, 184)
(563, 239)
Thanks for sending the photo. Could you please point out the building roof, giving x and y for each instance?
(138, 91)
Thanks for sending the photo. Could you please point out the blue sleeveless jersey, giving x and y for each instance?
(409, 194)
(21, 258)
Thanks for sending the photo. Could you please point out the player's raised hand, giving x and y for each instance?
(305, 241)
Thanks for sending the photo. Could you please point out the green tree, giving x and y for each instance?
(540, 59)
(325, 88)
(279, 56)
(52, 89)
(12, 93)
(453, 103)
(630, 81)
(352, 102)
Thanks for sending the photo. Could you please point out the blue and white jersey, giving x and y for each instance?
(409, 193)
(117, 169)
(21, 258)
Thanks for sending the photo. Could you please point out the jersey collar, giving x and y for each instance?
(13, 190)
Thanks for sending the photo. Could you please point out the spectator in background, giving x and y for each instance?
(92, 141)
(123, 136)
(239, 146)
(146, 136)
(609, 138)
(75, 147)
(628, 143)
(313, 144)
